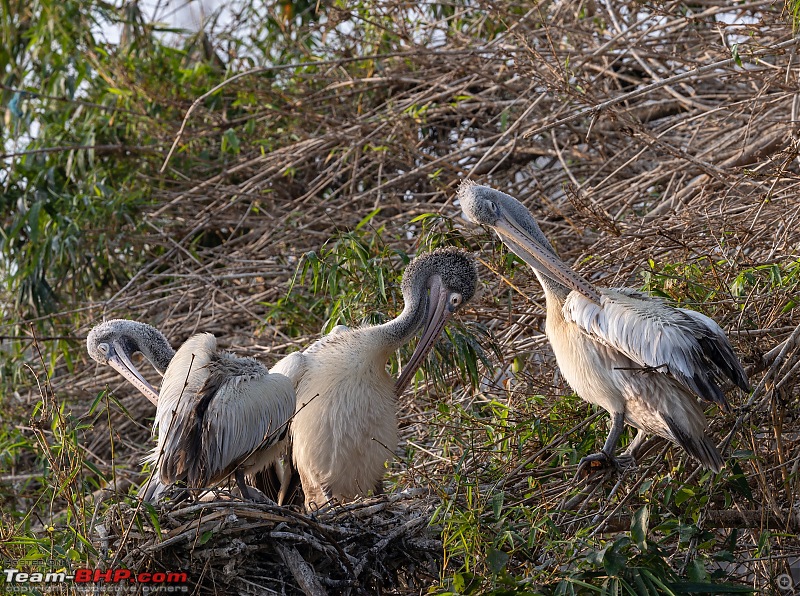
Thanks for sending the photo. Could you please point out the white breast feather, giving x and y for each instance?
(345, 426)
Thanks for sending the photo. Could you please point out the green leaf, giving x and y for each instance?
(639, 526)
(152, 514)
(368, 218)
(230, 142)
(497, 560)
(425, 216)
(497, 504)
(614, 561)
(96, 402)
(94, 469)
(696, 571)
(735, 54)
(683, 495)
(458, 582)
(643, 588)
(664, 588)
(738, 482)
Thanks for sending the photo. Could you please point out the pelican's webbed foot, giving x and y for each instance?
(603, 459)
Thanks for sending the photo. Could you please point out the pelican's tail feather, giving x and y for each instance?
(702, 448)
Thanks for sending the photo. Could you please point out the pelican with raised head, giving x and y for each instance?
(216, 414)
(345, 425)
(641, 360)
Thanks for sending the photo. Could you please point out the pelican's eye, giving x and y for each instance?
(103, 349)
(455, 301)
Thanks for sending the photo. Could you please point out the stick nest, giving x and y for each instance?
(381, 544)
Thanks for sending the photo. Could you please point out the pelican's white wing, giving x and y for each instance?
(683, 343)
(217, 410)
(292, 366)
(183, 379)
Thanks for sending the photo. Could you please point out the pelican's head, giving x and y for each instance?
(448, 278)
(115, 341)
(517, 228)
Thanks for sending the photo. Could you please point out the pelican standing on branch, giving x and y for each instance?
(638, 358)
(216, 414)
(345, 425)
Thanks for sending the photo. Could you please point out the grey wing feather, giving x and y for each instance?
(250, 410)
(684, 344)
(214, 410)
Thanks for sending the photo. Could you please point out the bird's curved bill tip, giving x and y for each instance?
(438, 315)
(120, 362)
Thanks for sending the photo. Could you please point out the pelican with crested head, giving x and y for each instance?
(345, 425)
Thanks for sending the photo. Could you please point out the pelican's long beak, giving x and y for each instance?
(119, 361)
(438, 315)
(539, 256)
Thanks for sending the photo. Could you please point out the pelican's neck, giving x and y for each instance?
(159, 355)
(152, 344)
(400, 330)
(553, 290)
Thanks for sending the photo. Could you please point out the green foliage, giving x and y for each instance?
(67, 133)
(793, 8)
(483, 534)
(694, 282)
(496, 543)
(769, 277)
(349, 281)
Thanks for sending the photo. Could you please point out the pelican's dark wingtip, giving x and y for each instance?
(700, 448)
(742, 382)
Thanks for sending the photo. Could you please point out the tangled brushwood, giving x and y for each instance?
(657, 145)
(378, 545)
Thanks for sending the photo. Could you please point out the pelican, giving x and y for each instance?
(641, 360)
(345, 424)
(216, 414)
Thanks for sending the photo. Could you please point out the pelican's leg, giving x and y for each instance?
(328, 494)
(239, 475)
(606, 456)
(288, 480)
(628, 457)
(329, 505)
